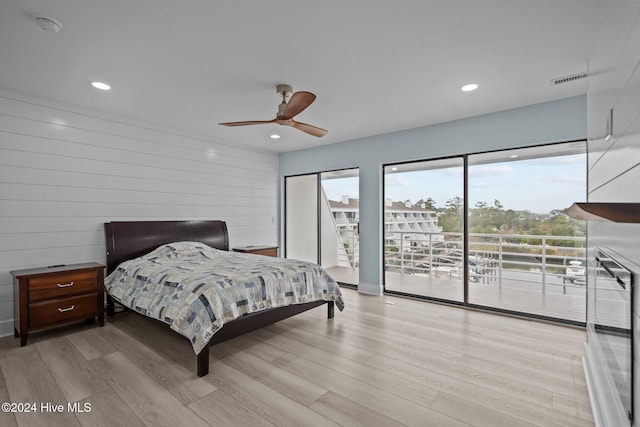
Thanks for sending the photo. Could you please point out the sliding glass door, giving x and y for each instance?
(524, 254)
(322, 221)
(487, 230)
(340, 226)
(423, 228)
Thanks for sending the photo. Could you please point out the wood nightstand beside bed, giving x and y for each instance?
(52, 296)
(258, 250)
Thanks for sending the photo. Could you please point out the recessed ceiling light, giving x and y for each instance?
(274, 136)
(469, 87)
(100, 85)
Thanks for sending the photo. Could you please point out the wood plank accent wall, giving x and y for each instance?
(65, 171)
(614, 163)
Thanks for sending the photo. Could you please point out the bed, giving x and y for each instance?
(155, 266)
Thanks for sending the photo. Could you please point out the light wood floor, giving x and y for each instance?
(384, 361)
(564, 306)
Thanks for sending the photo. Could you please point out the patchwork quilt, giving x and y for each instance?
(196, 289)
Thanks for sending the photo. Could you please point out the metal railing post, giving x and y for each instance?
(401, 252)
(430, 255)
(500, 262)
(544, 265)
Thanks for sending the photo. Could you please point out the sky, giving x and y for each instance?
(538, 185)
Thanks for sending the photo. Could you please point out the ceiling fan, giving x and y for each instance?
(287, 111)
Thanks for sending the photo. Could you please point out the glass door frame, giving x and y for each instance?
(318, 175)
(465, 234)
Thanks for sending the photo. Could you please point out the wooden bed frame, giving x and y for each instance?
(131, 239)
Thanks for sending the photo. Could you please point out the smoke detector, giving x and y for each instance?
(51, 25)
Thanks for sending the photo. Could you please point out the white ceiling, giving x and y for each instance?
(375, 66)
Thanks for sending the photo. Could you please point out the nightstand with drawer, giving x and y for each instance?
(258, 250)
(52, 296)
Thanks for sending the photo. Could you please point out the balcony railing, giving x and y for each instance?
(543, 263)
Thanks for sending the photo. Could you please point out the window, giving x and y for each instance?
(505, 246)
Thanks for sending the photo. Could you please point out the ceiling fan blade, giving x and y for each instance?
(250, 122)
(298, 102)
(310, 129)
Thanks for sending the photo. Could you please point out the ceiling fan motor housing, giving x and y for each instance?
(287, 89)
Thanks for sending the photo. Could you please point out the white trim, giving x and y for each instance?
(595, 409)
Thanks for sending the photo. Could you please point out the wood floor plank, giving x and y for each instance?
(149, 360)
(292, 386)
(471, 413)
(108, 410)
(576, 408)
(173, 345)
(91, 344)
(511, 403)
(524, 374)
(346, 412)
(528, 410)
(458, 338)
(401, 387)
(146, 398)
(192, 390)
(267, 402)
(74, 375)
(224, 410)
(6, 418)
(28, 380)
(390, 368)
(10, 346)
(431, 358)
(388, 404)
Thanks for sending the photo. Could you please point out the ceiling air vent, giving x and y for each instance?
(567, 79)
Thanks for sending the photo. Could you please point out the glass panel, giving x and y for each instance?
(423, 228)
(339, 214)
(524, 255)
(301, 217)
(609, 324)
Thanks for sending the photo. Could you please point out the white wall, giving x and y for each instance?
(302, 218)
(65, 171)
(614, 165)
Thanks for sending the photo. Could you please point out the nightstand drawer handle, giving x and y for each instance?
(65, 285)
(62, 310)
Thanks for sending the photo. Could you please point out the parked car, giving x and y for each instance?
(575, 273)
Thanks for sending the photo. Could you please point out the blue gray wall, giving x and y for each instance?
(557, 121)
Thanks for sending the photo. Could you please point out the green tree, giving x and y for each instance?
(428, 204)
(451, 219)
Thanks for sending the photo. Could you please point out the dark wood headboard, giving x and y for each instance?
(130, 239)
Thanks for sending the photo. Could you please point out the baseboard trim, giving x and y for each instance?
(6, 328)
(595, 409)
